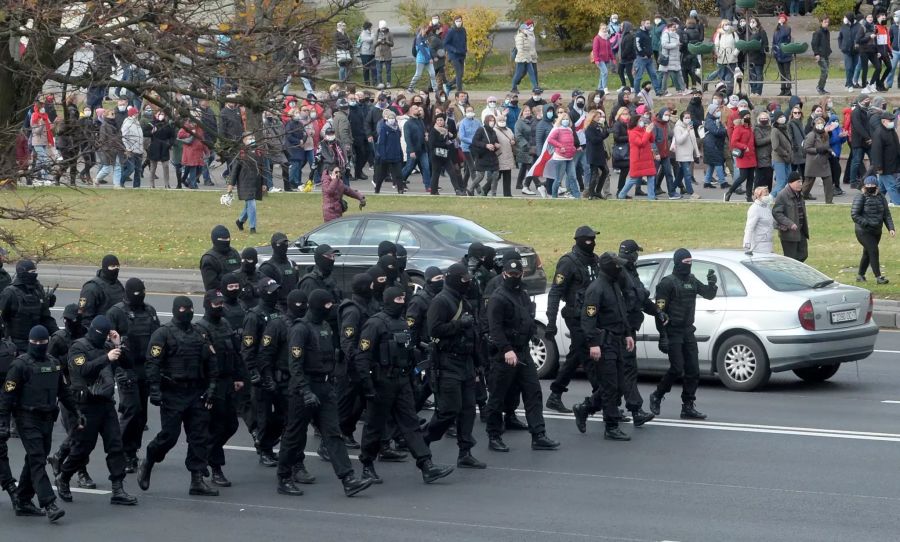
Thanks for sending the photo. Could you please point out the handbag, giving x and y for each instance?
(663, 60)
(440, 152)
(737, 153)
(620, 153)
(344, 57)
(460, 156)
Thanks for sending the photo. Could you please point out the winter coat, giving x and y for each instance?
(525, 146)
(656, 36)
(670, 45)
(642, 44)
(542, 130)
(563, 142)
(859, 127)
(422, 50)
(759, 233)
(620, 137)
(726, 52)
(414, 136)
(870, 213)
(342, 41)
(641, 163)
(782, 152)
(742, 138)
(388, 148)
(506, 159)
(846, 42)
(231, 125)
(627, 49)
(133, 136)
(821, 43)
(758, 58)
(109, 143)
(341, 123)
(365, 43)
(333, 189)
(384, 43)
(601, 50)
(884, 156)
(485, 159)
(762, 136)
(161, 139)
(596, 144)
(797, 135)
(786, 212)
(294, 137)
(714, 142)
(818, 151)
(273, 140)
(526, 49)
(248, 175)
(685, 142)
(781, 36)
(456, 43)
(332, 155)
(438, 141)
(193, 151)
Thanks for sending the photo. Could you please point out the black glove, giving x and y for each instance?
(51, 300)
(268, 384)
(662, 317)
(551, 330)
(208, 397)
(155, 396)
(80, 420)
(124, 380)
(368, 388)
(711, 277)
(664, 344)
(310, 400)
(254, 377)
(467, 321)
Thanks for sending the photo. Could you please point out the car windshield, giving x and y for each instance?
(786, 275)
(463, 232)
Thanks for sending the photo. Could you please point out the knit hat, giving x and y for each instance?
(711, 110)
(132, 111)
(555, 97)
(733, 101)
(871, 180)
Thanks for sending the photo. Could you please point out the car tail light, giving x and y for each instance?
(540, 264)
(807, 316)
(870, 309)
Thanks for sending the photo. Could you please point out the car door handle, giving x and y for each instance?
(712, 311)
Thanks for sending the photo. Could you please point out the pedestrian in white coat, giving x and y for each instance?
(760, 229)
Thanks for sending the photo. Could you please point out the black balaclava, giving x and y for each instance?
(111, 275)
(401, 258)
(218, 233)
(279, 247)
(265, 296)
(610, 266)
(457, 279)
(99, 330)
(387, 247)
(214, 314)
(434, 286)
(296, 304)
(476, 251)
(231, 295)
(362, 285)
(512, 282)
(135, 292)
(376, 272)
(72, 321)
(392, 308)
(249, 257)
(38, 351)
(682, 270)
(26, 272)
(320, 304)
(182, 311)
(630, 257)
(388, 264)
(323, 264)
(489, 254)
(586, 244)
(512, 266)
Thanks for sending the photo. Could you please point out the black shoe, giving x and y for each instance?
(286, 487)
(267, 459)
(390, 455)
(513, 423)
(639, 193)
(252, 230)
(84, 480)
(55, 461)
(401, 445)
(120, 497)
(28, 509)
(54, 512)
(199, 486)
(655, 401)
(362, 177)
(581, 417)
(218, 478)
(468, 461)
(614, 433)
(497, 444)
(368, 473)
(881, 280)
(323, 453)
(432, 473)
(63, 489)
(554, 402)
(740, 191)
(302, 476)
(451, 432)
(143, 478)
(838, 192)
(482, 413)
(350, 442)
(688, 412)
(809, 198)
(239, 224)
(353, 485)
(542, 442)
(11, 491)
(131, 464)
(640, 417)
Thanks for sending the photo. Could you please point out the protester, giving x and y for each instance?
(760, 227)
(870, 214)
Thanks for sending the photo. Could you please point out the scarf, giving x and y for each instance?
(40, 116)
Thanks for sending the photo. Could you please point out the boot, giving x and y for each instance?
(286, 487)
(468, 461)
(581, 417)
(640, 417)
(614, 433)
(323, 453)
(239, 224)
(28, 509)
(554, 402)
(368, 473)
(84, 480)
(120, 497)
(497, 444)
(55, 461)
(199, 486)
(54, 512)
(353, 485)
(350, 442)
(131, 464)
(302, 476)
(388, 454)
(513, 423)
(542, 442)
(218, 478)
(451, 432)
(62, 487)
(432, 473)
(267, 459)
(11, 491)
(688, 412)
(144, 470)
(655, 401)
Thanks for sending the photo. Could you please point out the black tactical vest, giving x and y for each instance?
(395, 348)
(320, 358)
(30, 300)
(234, 314)
(183, 353)
(110, 294)
(141, 325)
(40, 389)
(284, 273)
(222, 339)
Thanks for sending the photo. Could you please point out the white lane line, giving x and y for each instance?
(888, 351)
(892, 402)
(88, 491)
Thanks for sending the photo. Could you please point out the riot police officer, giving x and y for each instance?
(676, 296)
(92, 361)
(248, 276)
(280, 268)
(24, 304)
(451, 326)
(353, 314)
(383, 362)
(223, 422)
(182, 372)
(103, 291)
(135, 321)
(417, 318)
(32, 387)
(234, 314)
(510, 314)
(574, 273)
(219, 259)
(379, 274)
(312, 361)
(403, 279)
(482, 273)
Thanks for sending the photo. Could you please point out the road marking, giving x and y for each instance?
(88, 491)
(892, 402)
(887, 351)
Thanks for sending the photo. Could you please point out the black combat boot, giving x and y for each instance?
(218, 478)
(512, 423)
(432, 472)
(640, 417)
(131, 463)
(350, 442)
(120, 497)
(451, 432)
(496, 443)
(267, 459)
(302, 476)
(323, 453)
(10, 490)
(467, 461)
(688, 412)
(54, 512)
(391, 455)
(368, 473)
(582, 413)
(353, 485)
(286, 487)
(28, 509)
(84, 480)
(614, 433)
(144, 470)
(482, 413)
(655, 401)
(554, 402)
(62, 487)
(542, 442)
(199, 486)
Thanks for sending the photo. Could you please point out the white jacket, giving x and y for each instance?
(684, 143)
(132, 135)
(760, 229)
(726, 50)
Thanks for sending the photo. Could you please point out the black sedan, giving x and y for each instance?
(429, 239)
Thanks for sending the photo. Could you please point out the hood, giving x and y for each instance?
(661, 112)
(627, 27)
(548, 107)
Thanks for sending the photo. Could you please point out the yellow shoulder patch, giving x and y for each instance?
(559, 278)
(248, 340)
(591, 310)
(364, 344)
(79, 360)
(296, 351)
(410, 321)
(9, 386)
(155, 350)
(661, 304)
(82, 302)
(267, 340)
(349, 331)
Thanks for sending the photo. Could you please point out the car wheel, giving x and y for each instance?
(742, 363)
(544, 353)
(818, 373)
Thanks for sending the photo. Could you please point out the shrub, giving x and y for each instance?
(481, 24)
(414, 12)
(834, 9)
(573, 23)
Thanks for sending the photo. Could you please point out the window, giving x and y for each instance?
(408, 238)
(732, 286)
(335, 234)
(646, 272)
(463, 232)
(786, 275)
(379, 230)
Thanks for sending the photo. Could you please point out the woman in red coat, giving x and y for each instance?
(640, 158)
(333, 189)
(743, 148)
(193, 152)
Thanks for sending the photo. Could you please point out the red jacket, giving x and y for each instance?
(563, 142)
(742, 138)
(640, 158)
(193, 153)
(602, 50)
(333, 189)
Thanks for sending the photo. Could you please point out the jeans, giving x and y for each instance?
(677, 80)
(383, 72)
(205, 170)
(756, 74)
(421, 159)
(823, 72)
(857, 68)
(856, 155)
(368, 68)
(782, 170)
(719, 170)
(521, 68)
(687, 172)
(343, 72)
(664, 169)
(419, 69)
(295, 171)
(604, 74)
(566, 168)
(459, 66)
(887, 184)
(190, 176)
(114, 168)
(895, 59)
(267, 172)
(249, 213)
(784, 75)
(636, 181)
(642, 64)
(42, 164)
(849, 67)
(133, 164)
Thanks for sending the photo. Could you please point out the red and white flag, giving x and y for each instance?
(537, 169)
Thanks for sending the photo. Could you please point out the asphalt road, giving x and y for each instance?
(795, 461)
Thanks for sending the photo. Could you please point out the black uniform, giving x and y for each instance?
(24, 305)
(280, 268)
(482, 273)
(248, 277)
(274, 368)
(219, 259)
(58, 347)
(354, 313)
(638, 303)
(5, 279)
(234, 314)
(99, 294)
(417, 318)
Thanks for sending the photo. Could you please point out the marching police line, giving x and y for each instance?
(282, 351)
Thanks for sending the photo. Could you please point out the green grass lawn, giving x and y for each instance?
(171, 228)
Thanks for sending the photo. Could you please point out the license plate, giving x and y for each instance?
(838, 317)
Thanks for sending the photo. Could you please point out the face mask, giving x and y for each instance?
(717, 114)
(641, 123)
(97, 336)
(392, 307)
(325, 265)
(470, 114)
(830, 104)
(601, 120)
(753, 25)
(781, 120)
(300, 117)
(743, 24)
(184, 317)
(215, 313)
(549, 115)
(646, 89)
(821, 128)
(458, 24)
(767, 199)
(536, 97)
(597, 100)
(492, 124)
(763, 122)
(248, 266)
(435, 22)
(727, 28)
(434, 287)
(580, 104)
(319, 307)
(38, 351)
(717, 102)
(443, 98)
(392, 123)
(630, 257)
(565, 123)
(871, 190)
(666, 118)
(110, 274)
(492, 104)
(611, 270)
(354, 103)
(313, 115)
(122, 108)
(890, 126)
(280, 250)
(329, 138)
(514, 282)
(502, 124)
(586, 244)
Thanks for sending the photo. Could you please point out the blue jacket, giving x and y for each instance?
(294, 134)
(714, 142)
(837, 137)
(387, 147)
(467, 129)
(456, 43)
(512, 115)
(423, 51)
(782, 35)
(414, 135)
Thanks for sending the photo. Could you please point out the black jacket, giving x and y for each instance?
(596, 150)
(884, 156)
(859, 127)
(821, 43)
(627, 51)
(846, 43)
(643, 43)
(869, 213)
(485, 159)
